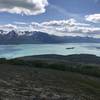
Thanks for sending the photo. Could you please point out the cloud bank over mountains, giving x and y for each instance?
(70, 27)
(27, 7)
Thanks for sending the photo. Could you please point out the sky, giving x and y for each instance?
(58, 17)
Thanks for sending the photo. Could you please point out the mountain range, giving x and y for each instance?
(26, 37)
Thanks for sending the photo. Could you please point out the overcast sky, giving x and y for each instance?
(59, 17)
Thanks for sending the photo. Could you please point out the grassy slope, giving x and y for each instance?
(53, 77)
(27, 82)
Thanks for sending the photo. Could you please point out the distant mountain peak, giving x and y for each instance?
(12, 34)
(27, 37)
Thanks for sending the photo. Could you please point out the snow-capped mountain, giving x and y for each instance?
(21, 37)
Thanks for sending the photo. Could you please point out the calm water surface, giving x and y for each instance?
(13, 51)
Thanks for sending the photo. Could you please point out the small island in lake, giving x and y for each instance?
(70, 48)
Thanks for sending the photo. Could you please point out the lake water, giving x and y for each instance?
(13, 51)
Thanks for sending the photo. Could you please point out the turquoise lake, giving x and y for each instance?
(13, 51)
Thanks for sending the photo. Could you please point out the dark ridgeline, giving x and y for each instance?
(81, 63)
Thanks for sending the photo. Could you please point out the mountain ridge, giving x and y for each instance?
(26, 37)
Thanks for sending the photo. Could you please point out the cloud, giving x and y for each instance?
(27, 7)
(8, 27)
(70, 22)
(69, 27)
(66, 27)
(95, 18)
